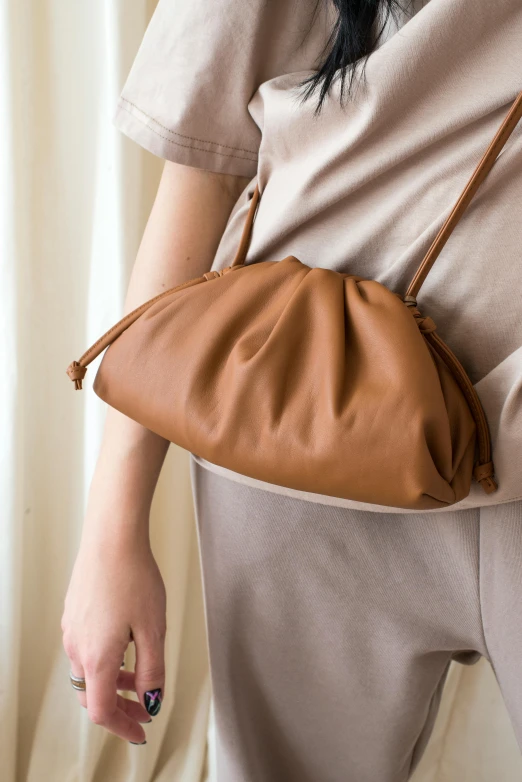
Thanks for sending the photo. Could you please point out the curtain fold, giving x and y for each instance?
(74, 199)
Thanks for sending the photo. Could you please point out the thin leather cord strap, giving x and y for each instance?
(478, 176)
(247, 230)
(77, 369)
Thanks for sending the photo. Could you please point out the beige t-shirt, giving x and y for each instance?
(362, 188)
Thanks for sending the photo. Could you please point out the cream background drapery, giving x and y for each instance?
(74, 198)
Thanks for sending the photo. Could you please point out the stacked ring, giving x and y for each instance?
(77, 683)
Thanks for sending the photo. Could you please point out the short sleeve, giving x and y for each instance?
(199, 64)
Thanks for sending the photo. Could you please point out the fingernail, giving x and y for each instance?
(153, 701)
(139, 743)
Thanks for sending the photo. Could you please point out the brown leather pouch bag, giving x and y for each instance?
(306, 377)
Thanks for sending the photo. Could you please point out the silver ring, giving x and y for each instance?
(77, 682)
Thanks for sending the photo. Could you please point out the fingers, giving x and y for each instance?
(133, 709)
(108, 709)
(150, 670)
(103, 679)
(125, 681)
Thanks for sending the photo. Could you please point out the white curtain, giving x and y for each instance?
(74, 198)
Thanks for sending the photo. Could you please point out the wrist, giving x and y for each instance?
(118, 505)
(111, 527)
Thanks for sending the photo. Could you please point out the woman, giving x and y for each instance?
(331, 623)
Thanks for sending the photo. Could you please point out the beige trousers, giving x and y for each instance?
(331, 630)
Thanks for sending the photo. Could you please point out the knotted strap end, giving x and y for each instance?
(76, 372)
(426, 324)
(483, 474)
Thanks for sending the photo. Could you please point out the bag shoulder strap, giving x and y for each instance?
(244, 242)
(476, 179)
(483, 168)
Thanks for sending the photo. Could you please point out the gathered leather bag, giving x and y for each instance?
(306, 377)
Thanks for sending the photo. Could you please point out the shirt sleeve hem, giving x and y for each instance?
(180, 148)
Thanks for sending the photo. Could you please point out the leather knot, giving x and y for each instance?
(483, 474)
(425, 324)
(76, 372)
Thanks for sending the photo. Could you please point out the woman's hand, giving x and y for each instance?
(116, 594)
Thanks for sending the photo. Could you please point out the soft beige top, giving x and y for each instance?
(365, 188)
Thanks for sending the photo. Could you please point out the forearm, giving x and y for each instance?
(185, 226)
